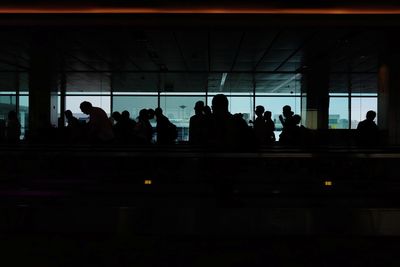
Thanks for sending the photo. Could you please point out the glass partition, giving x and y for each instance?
(359, 108)
(338, 113)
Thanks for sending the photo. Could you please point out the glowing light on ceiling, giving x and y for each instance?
(130, 10)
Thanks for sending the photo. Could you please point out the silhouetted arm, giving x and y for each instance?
(282, 120)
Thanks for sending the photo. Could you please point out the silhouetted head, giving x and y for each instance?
(297, 119)
(158, 112)
(86, 107)
(259, 111)
(199, 107)
(68, 114)
(267, 115)
(150, 113)
(207, 110)
(12, 115)
(287, 111)
(116, 116)
(371, 115)
(143, 114)
(125, 115)
(238, 115)
(220, 104)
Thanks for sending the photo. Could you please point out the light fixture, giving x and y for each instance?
(223, 79)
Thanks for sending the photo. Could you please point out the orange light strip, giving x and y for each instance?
(266, 11)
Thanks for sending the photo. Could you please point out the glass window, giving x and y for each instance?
(23, 113)
(7, 103)
(73, 102)
(239, 104)
(135, 82)
(275, 104)
(359, 108)
(134, 104)
(88, 83)
(338, 113)
(179, 109)
(238, 87)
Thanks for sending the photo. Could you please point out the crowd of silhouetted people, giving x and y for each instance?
(10, 129)
(211, 126)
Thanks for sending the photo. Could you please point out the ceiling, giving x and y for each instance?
(222, 60)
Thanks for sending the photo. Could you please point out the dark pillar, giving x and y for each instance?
(42, 82)
(63, 89)
(315, 94)
(389, 89)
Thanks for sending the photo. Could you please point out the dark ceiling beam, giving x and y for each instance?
(267, 49)
(14, 71)
(353, 56)
(71, 69)
(94, 52)
(84, 63)
(330, 50)
(301, 46)
(237, 51)
(18, 45)
(180, 51)
(97, 54)
(16, 56)
(8, 62)
(129, 58)
(133, 62)
(363, 61)
(373, 70)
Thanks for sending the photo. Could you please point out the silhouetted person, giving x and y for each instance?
(2, 131)
(245, 133)
(126, 116)
(207, 111)
(300, 133)
(260, 127)
(166, 131)
(197, 127)
(13, 129)
(227, 130)
(144, 130)
(116, 116)
(288, 125)
(127, 127)
(367, 130)
(208, 124)
(151, 113)
(99, 126)
(71, 120)
(74, 127)
(270, 126)
(117, 127)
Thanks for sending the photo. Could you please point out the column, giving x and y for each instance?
(315, 94)
(42, 82)
(389, 90)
